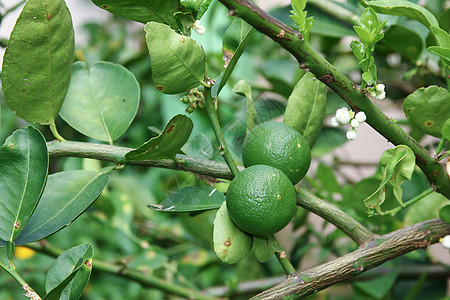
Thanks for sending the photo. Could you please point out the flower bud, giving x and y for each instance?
(445, 242)
(343, 116)
(361, 117)
(354, 123)
(334, 122)
(198, 27)
(351, 134)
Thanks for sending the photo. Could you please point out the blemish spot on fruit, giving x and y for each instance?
(11, 146)
(408, 110)
(182, 40)
(299, 146)
(279, 197)
(34, 18)
(228, 242)
(49, 17)
(159, 87)
(105, 6)
(123, 100)
(170, 129)
(429, 123)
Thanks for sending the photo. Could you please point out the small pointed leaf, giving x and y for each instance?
(168, 143)
(243, 88)
(264, 248)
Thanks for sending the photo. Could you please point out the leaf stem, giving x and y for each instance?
(283, 260)
(407, 203)
(440, 146)
(56, 133)
(13, 272)
(223, 149)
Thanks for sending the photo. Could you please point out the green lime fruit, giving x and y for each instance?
(278, 145)
(261, 200)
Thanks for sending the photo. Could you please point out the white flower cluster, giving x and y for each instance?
(445, 241)
(345, 116)
(378, 91)
(198, 27)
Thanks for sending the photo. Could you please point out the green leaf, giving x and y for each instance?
(369, 19)
(379, 287)
(442, 37)
(358, 49)
(69, 273)
(178, 63)
(428, 109)
(66, 196)
(403, 8)
(446, 130)
(102, 100)
(192, 198)
(234, 43)
(443, 53)
(38, 61)
(444, 213)
(306, 107)
(161, 11)
(403, 170)
(376, 199)
(327, 178)
(23, 171)
(243, 88)
(427, 208)
(199, 146)
(405, 41)
(230, 243)
(263, 247)
(168, 143)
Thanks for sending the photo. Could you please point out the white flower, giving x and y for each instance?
(351, 134)
(361, 117)
(354, 123)
(334, 122)
(343, 116)
(198, 27)
(378, 91)
(445, 242)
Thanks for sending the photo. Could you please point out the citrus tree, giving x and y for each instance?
(178, 152)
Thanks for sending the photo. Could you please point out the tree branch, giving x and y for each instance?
(116, 154)
(335, 216)
(309, 59)
(368, 256)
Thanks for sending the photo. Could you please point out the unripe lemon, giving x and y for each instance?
(278, 145)
(261, 200)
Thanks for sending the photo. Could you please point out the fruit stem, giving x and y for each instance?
(223, 149)
(283, 260)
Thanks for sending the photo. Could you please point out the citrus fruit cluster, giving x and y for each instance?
(261, 199)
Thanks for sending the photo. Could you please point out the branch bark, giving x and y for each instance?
(309, 59)
(368, 256)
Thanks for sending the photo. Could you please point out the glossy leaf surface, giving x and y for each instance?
(178, 63)
(243, 88)
(306, 107)
(69, 273)
(38, 61)
(23, 171)
(168, 143)
(66, 196)
(102, 100)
